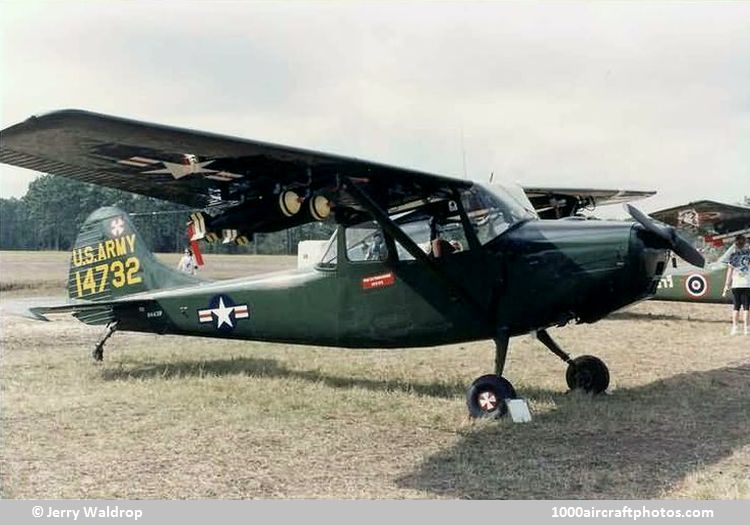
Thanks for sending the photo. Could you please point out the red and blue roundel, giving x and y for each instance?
(223, 313)
(696, 285)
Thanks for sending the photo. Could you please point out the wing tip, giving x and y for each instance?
(52, 115)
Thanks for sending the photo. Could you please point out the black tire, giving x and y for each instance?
(486, 396)
(587, 373)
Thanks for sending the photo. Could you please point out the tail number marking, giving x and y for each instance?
(117, 273)
(666, 282)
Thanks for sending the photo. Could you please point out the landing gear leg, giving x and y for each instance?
(547, 341)
(501, 353)
(98, 353)
(587, 373)
(487, 394)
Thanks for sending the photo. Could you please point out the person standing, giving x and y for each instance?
(737, 258)
(187, 263)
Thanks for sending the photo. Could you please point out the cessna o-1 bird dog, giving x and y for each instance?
(417, 259)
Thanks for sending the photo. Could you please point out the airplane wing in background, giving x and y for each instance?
(556, 203)
(709, 218)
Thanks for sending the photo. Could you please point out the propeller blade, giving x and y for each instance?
(645, 221)
(686, 251)
(678, 244)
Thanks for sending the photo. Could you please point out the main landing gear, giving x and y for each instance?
(487, 395)
(98, 353)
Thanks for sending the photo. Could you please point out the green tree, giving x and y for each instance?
(13, 224)
(50, 214)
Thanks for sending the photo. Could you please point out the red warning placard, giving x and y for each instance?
(378, 281)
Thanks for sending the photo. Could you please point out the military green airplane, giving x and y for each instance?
(716, 224)
(417, 259)
(694, 285)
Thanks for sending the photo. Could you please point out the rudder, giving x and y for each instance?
(110, 260)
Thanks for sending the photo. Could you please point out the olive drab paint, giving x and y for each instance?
(694, 285)
(503, 272)
(541, 273)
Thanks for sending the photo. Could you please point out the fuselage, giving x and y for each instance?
(694, 285)
(537, 274)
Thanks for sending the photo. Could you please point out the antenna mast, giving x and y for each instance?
(463, 152)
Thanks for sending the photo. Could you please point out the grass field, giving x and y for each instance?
(180, 417)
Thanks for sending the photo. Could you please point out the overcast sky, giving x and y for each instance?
(623, 95)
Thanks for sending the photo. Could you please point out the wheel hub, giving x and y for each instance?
(587, 373)
(487, 401)
(584, 379)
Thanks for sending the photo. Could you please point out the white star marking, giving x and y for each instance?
(117, 226)
(180, 170)
(222, 314)
(487, 401)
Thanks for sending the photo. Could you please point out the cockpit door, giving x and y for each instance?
(372, 302)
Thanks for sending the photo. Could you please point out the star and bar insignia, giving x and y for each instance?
(223, 313)
(189, 165)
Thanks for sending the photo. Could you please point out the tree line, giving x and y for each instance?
(50, 214)
(53, 209)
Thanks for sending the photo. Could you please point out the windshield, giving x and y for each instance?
(492, 210)
(330, 253)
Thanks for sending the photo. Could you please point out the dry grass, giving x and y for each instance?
(169, 417)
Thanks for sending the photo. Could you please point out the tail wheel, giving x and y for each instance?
(486, 396)
(587, 373)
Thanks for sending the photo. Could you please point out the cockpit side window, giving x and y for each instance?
(419, 232)
(438, 231)
(365, 242)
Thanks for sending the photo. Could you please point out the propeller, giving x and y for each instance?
(676, 242)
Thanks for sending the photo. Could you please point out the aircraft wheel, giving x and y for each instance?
(486, 396)
(587, 373)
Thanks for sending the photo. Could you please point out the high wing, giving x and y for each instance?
(239, 181)
(556, 203)
(707, 217)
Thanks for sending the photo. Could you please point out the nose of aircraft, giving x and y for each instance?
(586, 269)
(648, 260)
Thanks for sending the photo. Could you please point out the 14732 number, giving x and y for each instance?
(117, 273)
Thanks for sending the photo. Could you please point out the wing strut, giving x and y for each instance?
(392, 229)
